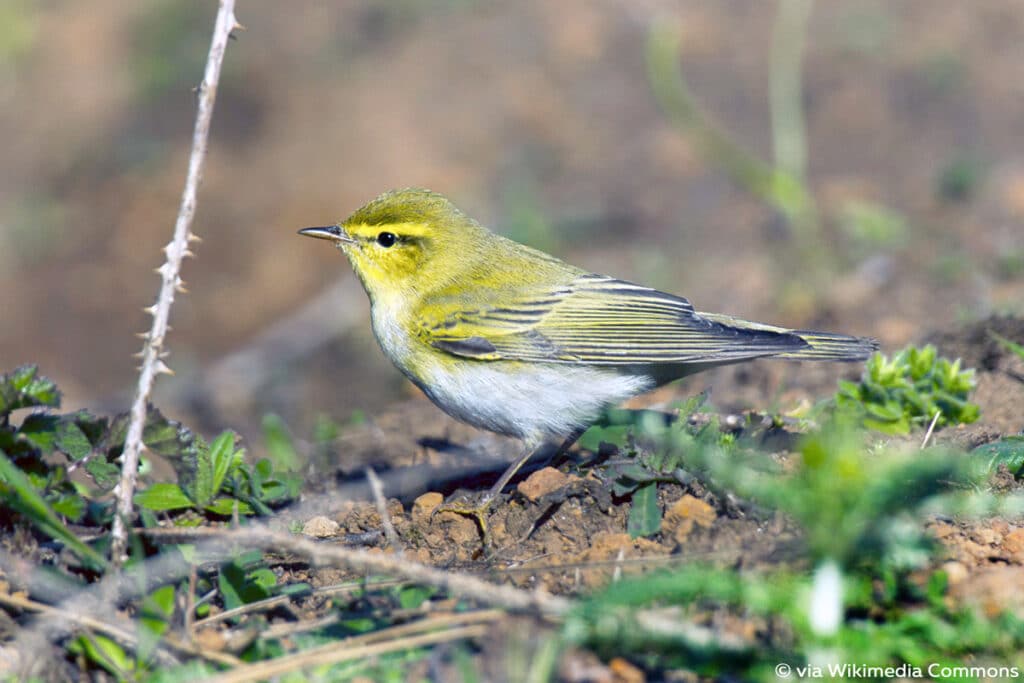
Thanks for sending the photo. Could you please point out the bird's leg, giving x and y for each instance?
(478, 510)
(566, 445)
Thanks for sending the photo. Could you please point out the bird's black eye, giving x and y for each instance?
(386, 239)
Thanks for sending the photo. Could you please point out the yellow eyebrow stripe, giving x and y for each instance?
(403, 229)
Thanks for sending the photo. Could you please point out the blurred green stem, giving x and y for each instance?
(778, 186)
(673, 95)
(788, 129)
(782, 185)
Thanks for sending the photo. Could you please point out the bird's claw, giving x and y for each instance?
(467, 507)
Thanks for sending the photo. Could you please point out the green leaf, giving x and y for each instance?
(644, 515)
(223, 458)
(24, 388)
(199, 486)
(71, 506)
(192, 670)
(411, 597)
(163, 496)
(1008, 344)
(264, 578)
(239, 586)
(325, 430)
(280, 445)
(71, 440)
(296, 590)
(28, 502)
(154, 619)
(204, 468)
(105, 474)
(1008, 451)
(95, 428)
(40, 430)
(359, 625)
(225, 505)
(593, 437)
(165, 438)
(231, 582)
(105, 652)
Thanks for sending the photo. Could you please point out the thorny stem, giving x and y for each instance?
(171, 282)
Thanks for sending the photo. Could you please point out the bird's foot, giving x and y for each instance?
(474, 506)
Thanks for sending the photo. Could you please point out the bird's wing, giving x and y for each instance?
(595, 319)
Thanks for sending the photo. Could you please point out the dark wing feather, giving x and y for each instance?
(598, 320)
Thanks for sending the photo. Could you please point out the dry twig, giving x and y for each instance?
(355, 559)
(931, 428)
(127, 635)
(403, 637)
(176, 250)
(382, 509)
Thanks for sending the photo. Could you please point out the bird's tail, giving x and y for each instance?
(836, 347)
(820, 345)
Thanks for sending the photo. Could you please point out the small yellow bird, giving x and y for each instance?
(513, 340)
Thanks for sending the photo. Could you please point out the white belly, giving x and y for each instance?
(535, 402)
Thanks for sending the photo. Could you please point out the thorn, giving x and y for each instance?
(235, 26)
(188, 254)
(192, 237)
(142, 335)
(179, 286)
(150, 309)
(163, 354)
(138, 354)
(161, 368)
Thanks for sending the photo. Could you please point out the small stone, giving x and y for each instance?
(320, 527)
(624, 672)
(956, 572)
(607, 544)
(462, 530)
(210, 639)
(541, 483)
(425, 505)
(686, 513)
(1013, 542)
(986, 536)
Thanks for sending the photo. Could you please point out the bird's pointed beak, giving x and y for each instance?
(335, 233)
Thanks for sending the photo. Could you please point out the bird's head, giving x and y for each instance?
(405, 241)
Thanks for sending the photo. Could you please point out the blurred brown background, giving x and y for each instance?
(537, 118)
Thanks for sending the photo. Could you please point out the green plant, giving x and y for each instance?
(860, 510)
(39, 453)
(909, 390)
(1008, 344)
(216, 478)
(959, 179)
(877, 630)
(655, 451)
(871, 226)
(1008, 451)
